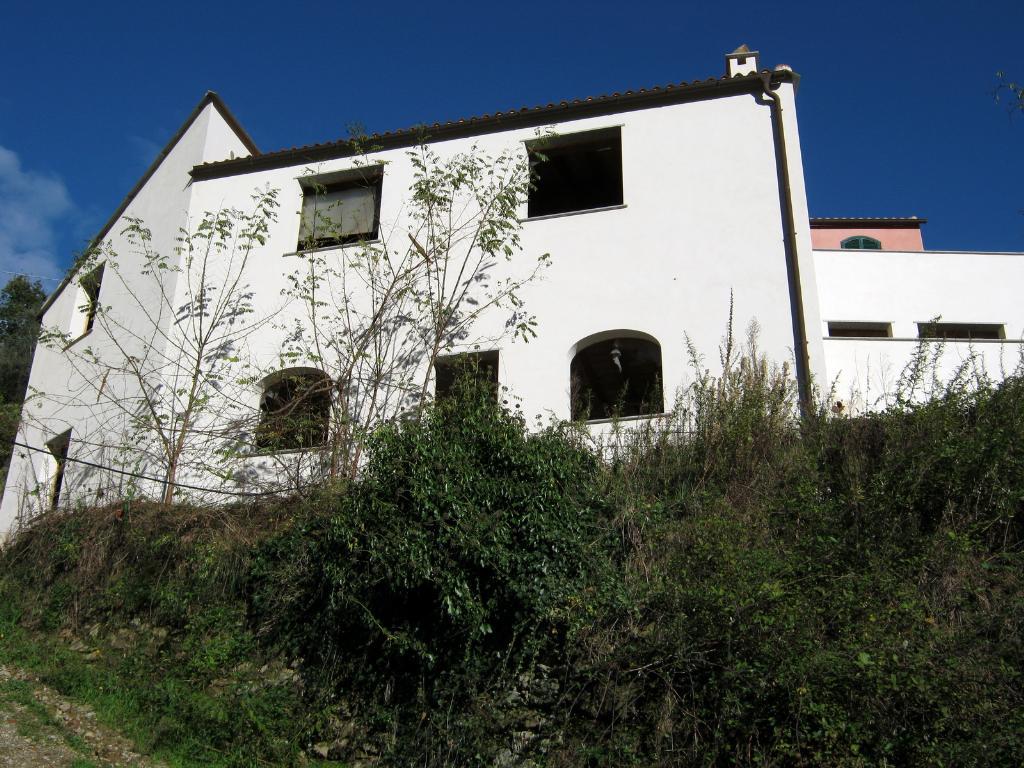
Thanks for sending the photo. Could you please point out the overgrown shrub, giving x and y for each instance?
(831, 591)
(450, 564)
(958, 462)
(730, 433)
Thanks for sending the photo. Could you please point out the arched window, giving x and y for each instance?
(295, 410)
(614, 374)
(861, 242)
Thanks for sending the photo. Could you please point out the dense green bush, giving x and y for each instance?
(828, 591)
(450, 564)
(958, 462)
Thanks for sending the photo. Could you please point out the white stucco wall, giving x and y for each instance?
(907, 288)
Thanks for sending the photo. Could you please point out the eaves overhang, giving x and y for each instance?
(526, 117)
(881, 222)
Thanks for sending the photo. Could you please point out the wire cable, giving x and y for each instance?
(126, 473)
(34, 277)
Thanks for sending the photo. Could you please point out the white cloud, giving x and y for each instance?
(32, 205)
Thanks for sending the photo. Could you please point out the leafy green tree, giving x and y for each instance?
(20, 301)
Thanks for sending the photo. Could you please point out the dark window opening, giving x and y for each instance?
(576, 173)
(91, 288)
(340, 212)
(860, 242)
(481, 367)
(860, 330)
(961, 331)
(616, 378)
(58, 448)
(295, 412)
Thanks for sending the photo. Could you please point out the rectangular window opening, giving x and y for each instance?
(88, 302)
(961, 331)
(855, 330)
(578, 172)
(338, 209)
(58, 448)
(481, 367)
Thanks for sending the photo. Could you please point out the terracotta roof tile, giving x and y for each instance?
(866, 221)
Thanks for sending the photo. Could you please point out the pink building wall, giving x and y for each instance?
(892, 238)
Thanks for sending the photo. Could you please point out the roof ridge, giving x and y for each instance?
(866, 218)
(212, 97)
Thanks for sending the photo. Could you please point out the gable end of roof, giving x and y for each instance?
(209, 98)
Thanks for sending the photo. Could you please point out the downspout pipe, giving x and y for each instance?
(803, 361)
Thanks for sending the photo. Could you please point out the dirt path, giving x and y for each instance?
(39, 728)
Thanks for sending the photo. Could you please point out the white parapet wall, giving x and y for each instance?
(907, 292)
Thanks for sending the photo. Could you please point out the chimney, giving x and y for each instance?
(742, 61)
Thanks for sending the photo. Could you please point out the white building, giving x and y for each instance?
(693, 198)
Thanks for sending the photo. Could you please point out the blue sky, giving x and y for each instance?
(896, 107)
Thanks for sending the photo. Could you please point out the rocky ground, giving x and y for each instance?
(39, 728)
